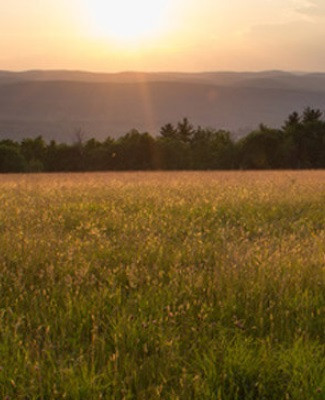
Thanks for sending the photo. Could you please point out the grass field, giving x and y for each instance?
(162, 286)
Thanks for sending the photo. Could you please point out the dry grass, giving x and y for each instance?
(162, 285)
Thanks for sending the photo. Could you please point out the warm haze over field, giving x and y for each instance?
(186, 35)
(141, 257)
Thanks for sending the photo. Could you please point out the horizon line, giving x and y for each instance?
(67, 70)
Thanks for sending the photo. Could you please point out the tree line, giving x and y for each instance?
(299, 144)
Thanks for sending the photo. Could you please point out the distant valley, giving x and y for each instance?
(55, 104)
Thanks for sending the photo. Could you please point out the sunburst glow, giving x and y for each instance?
(128, 20)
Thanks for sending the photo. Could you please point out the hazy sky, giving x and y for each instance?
(159, 35)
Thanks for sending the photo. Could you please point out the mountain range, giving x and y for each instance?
(57, 104)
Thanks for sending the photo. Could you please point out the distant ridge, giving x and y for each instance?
(307, 81)
(56, 103)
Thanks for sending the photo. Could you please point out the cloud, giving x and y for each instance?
(313, 8)
(298, 29)
(290, 36)
(297, 45)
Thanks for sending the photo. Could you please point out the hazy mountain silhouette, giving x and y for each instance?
(56, 103)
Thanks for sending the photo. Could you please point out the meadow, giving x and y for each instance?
(176, 285)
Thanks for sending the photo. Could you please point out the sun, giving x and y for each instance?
(128, 20)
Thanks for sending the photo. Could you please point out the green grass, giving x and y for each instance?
(162, 286)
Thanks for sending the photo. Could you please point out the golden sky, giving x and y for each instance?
(161, 35)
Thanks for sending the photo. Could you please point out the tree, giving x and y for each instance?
(135, 151)
(311, 115)
(184, 131)
(34, 152)
(261, 149)
(308, 138)
(173, 154)
(292, 122)
(11, 159)
(168, 131)
(212, 149)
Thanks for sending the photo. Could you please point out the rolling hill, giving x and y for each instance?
(57, 103)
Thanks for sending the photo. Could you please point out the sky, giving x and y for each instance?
(162, 35)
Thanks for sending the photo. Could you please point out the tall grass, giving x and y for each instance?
(162, 286)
